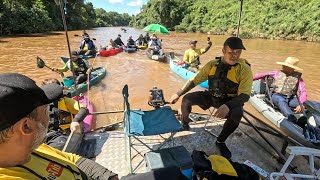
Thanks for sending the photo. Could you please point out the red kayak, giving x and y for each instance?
(110, 52)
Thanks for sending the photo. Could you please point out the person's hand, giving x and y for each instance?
(298, 109)
(90, 70)
(75, 126)
(174, 98)
(222, 111)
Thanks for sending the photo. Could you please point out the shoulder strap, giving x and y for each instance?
(32, 172)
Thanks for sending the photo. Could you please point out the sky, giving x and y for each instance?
(121, 6)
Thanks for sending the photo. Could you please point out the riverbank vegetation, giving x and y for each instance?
(272, 19)
(34, 16)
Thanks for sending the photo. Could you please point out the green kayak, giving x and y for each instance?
(97, 74)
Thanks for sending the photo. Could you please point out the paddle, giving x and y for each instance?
(41, 64)
(77, 35)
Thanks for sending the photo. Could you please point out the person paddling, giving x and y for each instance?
(118, 41)
(87, 46)
(80, 65)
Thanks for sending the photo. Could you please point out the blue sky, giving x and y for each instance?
(120, 6)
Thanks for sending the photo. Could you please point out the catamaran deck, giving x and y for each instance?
(111, 147)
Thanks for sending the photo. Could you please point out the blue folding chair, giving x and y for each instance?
(146, 123)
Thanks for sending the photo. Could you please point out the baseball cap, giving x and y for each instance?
(19, 96)
(193, 42)
(234, 43)
(74, 53)
(119, 35)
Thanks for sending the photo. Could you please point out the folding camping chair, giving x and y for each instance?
(210, 120)
(299, 151)
(139, 123)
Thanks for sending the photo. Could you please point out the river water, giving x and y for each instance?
(18, 54)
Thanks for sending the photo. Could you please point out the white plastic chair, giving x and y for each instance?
(296, 151)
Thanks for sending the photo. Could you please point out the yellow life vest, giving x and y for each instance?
(46, 162)
(86, 47)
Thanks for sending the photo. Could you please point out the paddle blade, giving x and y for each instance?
(40, 62)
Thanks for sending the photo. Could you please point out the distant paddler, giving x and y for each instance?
(87, 46)
(191, 56)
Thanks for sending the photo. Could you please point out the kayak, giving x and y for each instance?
(88, 120)
(156, 57)
(97, 74)
(143, 47)
(130, 50)
(78, 143)
(110, 52)
(87, 57)
(257, 99)
(183, 72)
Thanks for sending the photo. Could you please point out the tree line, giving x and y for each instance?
(34, 16)
(273, 19)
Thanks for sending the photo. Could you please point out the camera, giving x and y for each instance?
(156, 98)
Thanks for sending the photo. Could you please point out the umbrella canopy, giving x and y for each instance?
(156, 28)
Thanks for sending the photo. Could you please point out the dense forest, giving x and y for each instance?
(33, 16)
(274, 19)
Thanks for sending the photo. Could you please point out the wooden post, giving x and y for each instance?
(239, 19)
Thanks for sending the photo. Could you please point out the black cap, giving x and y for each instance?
(234, 43)
(119, 35)
(19, 96)
(193, 42)
(74, 53)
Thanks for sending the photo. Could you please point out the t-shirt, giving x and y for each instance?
(191, 55)
(46, 162)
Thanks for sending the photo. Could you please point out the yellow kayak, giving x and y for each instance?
(142, 47)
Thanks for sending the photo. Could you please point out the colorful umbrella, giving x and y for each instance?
(156, 28)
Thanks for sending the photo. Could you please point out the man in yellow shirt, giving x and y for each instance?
(230, 82)
(191, 56)
(23, 126)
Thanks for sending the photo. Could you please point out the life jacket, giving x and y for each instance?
(222, 79)
(216, 167)
(81, 68)
(85, 48)
(286, 85)
(58, 115)
(118, 41)
(87, 45)
(49, 163)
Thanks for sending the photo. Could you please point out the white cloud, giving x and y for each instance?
(115, 1)
(135, 3)
(136, 12)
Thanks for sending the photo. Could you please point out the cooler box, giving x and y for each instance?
(174, 156)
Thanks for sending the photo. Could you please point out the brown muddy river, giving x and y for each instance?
(18, 54)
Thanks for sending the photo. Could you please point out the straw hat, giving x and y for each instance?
(291, 62)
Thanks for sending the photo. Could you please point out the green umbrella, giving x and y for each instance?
(156, 28)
